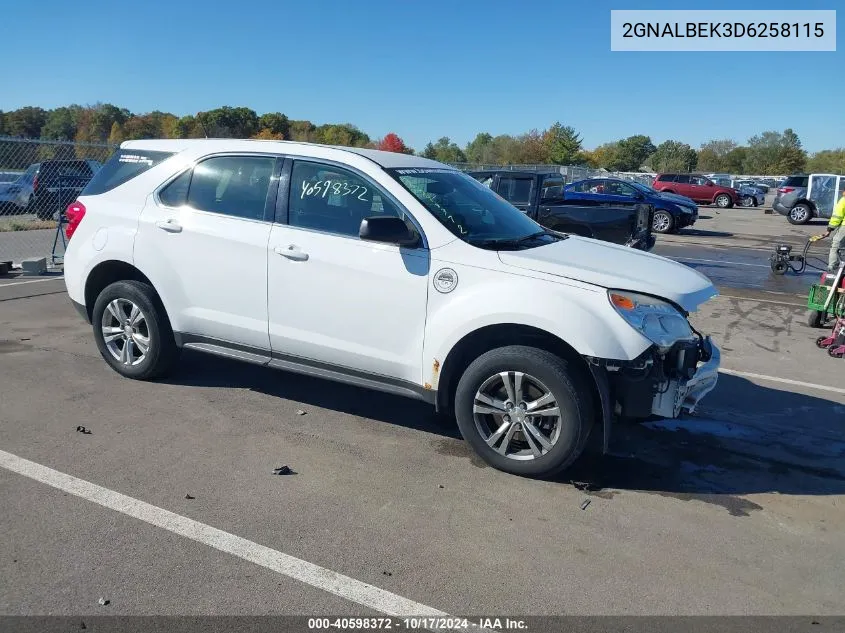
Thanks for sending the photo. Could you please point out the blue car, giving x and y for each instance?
(671, 211)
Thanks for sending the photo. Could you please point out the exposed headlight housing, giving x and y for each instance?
(657, 320)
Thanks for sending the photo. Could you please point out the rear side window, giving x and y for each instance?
(682, 179)
(796, 181)
(232, 185)
(666, 178)
(123, 166)
(552, 188)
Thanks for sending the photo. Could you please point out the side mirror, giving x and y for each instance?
(639, 196)
(388, 230)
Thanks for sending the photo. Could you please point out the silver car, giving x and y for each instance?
(16, 196)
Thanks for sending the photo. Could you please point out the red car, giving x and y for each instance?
(698, 188)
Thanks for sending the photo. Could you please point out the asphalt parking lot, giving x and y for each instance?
(175, 509)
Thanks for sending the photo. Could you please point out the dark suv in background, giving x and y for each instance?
(701, 189)
(57, 183)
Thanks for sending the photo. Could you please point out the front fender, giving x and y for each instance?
(580, 316)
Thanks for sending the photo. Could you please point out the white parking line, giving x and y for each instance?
(279, 562)
(31, 281)
(780, 303)
(785, 381)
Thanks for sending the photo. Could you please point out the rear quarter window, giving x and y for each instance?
(123, 166)
(796, 181)
(666, 178)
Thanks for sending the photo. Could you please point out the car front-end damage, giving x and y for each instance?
(672, 375)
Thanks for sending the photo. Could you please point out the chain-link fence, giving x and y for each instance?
(38, 180)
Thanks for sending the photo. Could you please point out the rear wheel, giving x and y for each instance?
(747, 201)
(723, 201)
(133, 332)
(524, 410)
(799, 214)
(663, 222)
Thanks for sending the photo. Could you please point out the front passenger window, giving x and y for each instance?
(333, 199)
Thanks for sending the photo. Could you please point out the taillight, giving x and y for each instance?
(786, 189)
(75, 212)
(35, 182)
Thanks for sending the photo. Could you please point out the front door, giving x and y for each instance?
(202, 240)
(683, 187)
(334, 299)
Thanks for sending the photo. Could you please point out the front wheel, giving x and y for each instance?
(524, 410)
(133, 332)
(663, 222)
(723, 201)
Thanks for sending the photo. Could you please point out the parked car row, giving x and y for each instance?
(698, 188)
(46, 188)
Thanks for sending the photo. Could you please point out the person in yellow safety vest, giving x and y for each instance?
(836, 224)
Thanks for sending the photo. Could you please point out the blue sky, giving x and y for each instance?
(421, 69)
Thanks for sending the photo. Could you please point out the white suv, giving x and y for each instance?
(391, 272)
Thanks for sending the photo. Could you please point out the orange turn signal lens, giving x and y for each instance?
(622, 302)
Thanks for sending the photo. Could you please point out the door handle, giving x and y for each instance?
(171, 226)
(292, 252)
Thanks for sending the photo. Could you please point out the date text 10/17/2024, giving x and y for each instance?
(419, 623)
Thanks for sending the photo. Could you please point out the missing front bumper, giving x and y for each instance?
(685, 394)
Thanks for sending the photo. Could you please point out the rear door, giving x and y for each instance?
(202, 239)
(682, 186)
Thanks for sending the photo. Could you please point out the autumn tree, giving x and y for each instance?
(274, 123)
(775, 153)
(392, 143)
(713, 154)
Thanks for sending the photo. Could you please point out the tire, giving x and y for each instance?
(815, 318)
(779, 268)
(748, 201)
(152, 329)
(799, 214)
(542, 372)
(663, 222)
(723, 201)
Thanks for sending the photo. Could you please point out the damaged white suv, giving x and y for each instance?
(390, 272)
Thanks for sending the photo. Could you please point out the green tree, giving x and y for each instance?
(480, 149)
(562, 143)
(228, 122)
(275, 123)
(631, 152)
(188, 127)
(734, 160)
(604, 156)
(673, 156)
(94, 123)
(712, 155)
(828, 161)
(445, 151)
(61, 123)
(26, 122)
(3, 130)
(775, 153)
(346, 135)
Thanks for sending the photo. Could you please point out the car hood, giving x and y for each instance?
(682, 200)
(619, 267)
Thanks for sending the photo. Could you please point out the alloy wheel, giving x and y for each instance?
(517, 415)
(661, 223)
(125, 331)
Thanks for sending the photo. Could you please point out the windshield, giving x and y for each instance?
(643, 188)
(470, 210)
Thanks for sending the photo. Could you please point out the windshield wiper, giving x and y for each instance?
(510, 241)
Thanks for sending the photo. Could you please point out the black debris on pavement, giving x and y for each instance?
(25, 339)
(103, 602)
(387, 573)
(440, 486)
(83, 430)
(188, 496)
(82, 625)
(585, 503)
(283, 470)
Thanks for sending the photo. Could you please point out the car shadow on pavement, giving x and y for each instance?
(704, 233)
(747, 439)
(203, 370)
